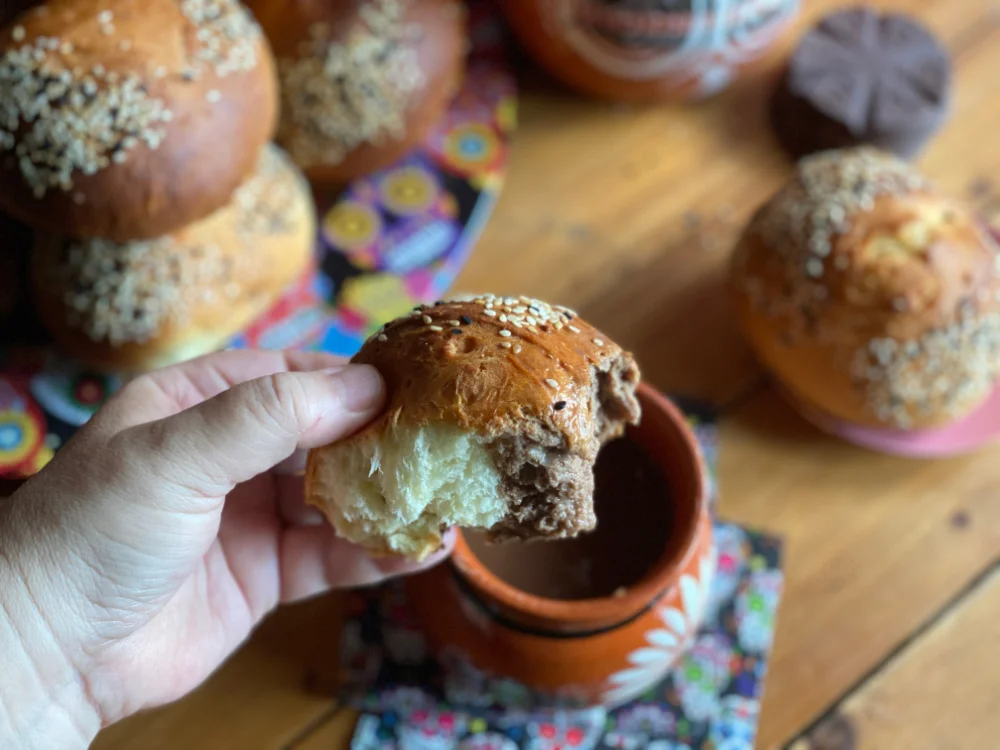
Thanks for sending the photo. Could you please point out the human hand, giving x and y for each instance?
(157, 538)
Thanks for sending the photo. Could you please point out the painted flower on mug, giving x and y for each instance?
(666, 644)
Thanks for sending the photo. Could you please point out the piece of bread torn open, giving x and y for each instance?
(497, 409)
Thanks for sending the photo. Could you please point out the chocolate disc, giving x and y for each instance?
(862, 77)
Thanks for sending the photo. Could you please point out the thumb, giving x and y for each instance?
(208, 449)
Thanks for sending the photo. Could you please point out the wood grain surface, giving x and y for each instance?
(887, 634)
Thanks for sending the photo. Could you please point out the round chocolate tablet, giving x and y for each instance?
(860, 77)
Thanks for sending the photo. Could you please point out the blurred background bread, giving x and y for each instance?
(362, 81)
(497, 409)
(870, 295)
(148, 303)
(127, 119)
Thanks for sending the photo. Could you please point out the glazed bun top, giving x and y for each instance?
(126, 119)
(501, 365)
(861, 252)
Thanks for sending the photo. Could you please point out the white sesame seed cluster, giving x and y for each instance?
(833, 189)
(59, 122)
(337, 96)
(227, 36)
(945, 371)
(513, 316)
(59, 119)
(127, 292)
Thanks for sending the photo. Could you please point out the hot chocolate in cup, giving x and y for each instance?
(599, 619)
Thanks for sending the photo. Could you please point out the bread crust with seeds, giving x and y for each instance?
(362, 81)
(127, 119)
(870, 295)
(526, 391)
(145, 304)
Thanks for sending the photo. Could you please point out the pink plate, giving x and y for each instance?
(975, 431)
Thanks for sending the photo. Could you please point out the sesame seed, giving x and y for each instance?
(213, 95)
(454, 323)
(504, 332)
(340, 95)
(505, 344)
(574, 329)
(160, 72)
(517, 348)
(599, 342)
(551, 383)
(502, 318)
(436, 329)
(105, 17)
(427, 319)
(466, 320)
(490, 313)
(456, 331)
(383, 338)
(17, 33)
(559, 405)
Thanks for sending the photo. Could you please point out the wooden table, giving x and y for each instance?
(889, 631)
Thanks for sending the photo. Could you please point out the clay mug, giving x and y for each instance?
(646, 50)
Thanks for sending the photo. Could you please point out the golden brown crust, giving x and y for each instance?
(870, 295)
(140, 305)
(397, 63)
(492, 365)
(158, 112)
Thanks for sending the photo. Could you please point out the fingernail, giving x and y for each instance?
(361, 386)
(334, 370)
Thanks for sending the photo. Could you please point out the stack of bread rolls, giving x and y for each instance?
(135, 139)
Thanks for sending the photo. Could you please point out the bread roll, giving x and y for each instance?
(362, 81)
(497, 409)
(128, 119)
(870, 295)
(145, 304)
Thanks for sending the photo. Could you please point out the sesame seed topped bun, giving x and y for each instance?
(127, 119)
(497, 409)
(145, 304)
(362, 81)
(870, 295)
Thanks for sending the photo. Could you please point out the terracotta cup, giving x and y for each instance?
(648, 51)
(595, 651)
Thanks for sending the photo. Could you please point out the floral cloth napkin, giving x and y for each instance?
(412, 701)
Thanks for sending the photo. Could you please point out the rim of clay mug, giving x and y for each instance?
(673, 436)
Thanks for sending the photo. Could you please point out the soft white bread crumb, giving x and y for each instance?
(399, 489)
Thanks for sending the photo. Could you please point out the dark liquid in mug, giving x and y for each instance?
(634, 515)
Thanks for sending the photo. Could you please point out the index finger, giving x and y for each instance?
(163, 393)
